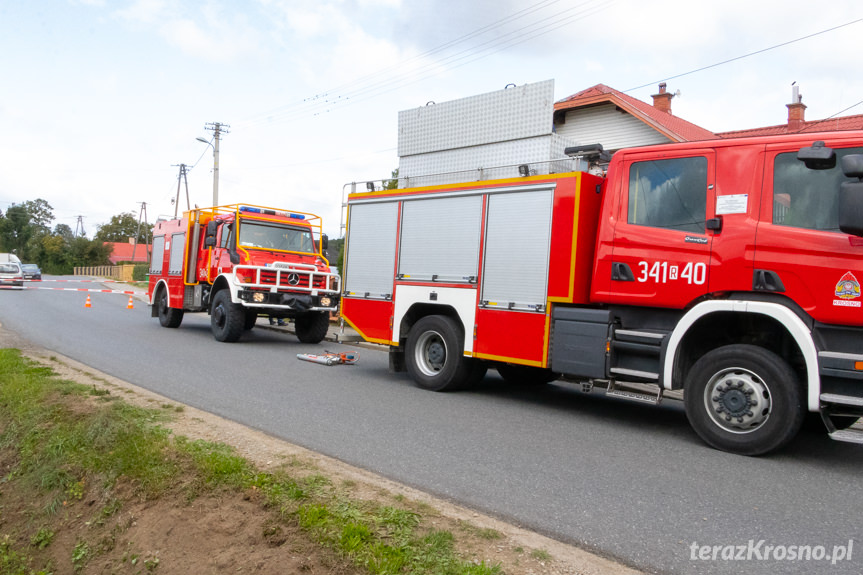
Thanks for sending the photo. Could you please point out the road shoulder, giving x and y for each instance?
(517, 550)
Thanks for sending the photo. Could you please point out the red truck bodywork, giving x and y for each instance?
(679, 261)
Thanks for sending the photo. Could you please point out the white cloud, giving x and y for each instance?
(101, 101)
(143, 11)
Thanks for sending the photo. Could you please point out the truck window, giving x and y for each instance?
(804, 198)
(225, 238)
(669, 194)
(276, 237)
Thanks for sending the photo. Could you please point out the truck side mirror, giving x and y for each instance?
(210, 235)
(851, 196)
(817, 156)
(325, 242)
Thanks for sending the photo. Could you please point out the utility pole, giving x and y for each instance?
(217, 128)
(143, 215)
(182, 177)
(79, 225)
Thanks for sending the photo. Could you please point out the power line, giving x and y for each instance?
(808, 126)
(403, 63)
(318, 104)
(653, 83)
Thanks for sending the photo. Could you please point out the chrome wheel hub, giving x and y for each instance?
(737, 400)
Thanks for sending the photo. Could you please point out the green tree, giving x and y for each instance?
(54, 253)
(23, 226)
(15, 229)
(64, 231)
(84, 252)
(394, 182)
(335, 253)
(122, 227)
(41, 214)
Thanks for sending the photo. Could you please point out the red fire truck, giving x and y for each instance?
(728, 269)
(238, 261)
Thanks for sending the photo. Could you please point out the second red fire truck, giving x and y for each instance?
(729, 269)
(237, 262)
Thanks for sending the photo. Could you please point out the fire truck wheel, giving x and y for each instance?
(168, 316)
(226, 318)
(434, 354)
(251, 319)
(312, 327)
(744, 399)
(525, 374)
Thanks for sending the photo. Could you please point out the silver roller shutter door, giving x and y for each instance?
(440, 239)
(518, 233)
(175, 262)
(371, 249)
(158, 255)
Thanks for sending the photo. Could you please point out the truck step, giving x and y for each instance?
(644, 393)
(635, 373)
(848, 435)
(836, 399)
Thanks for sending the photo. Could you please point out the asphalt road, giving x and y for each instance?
(629, 481)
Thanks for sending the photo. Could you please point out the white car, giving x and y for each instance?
(11, 274)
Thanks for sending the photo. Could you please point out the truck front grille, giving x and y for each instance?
(290, 280)
(296, 278)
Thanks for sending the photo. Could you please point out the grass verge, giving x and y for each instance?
(66, 446)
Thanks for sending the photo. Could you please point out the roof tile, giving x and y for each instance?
(675, 128)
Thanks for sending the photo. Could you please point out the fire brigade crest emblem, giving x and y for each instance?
(848, 287)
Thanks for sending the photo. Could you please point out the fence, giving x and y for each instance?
(120, 273)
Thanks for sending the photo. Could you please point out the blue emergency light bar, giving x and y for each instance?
(251, 210)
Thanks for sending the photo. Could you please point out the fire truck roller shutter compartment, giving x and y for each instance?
(440, 239)
(515, 272)
(158, 258)
(372, 237)
(175, 264)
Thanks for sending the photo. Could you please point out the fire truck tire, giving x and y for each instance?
(434, 354)
(312, 327)
(744, 399)
(525, 374)
(168, 316)
(251, 320)
(226, 318)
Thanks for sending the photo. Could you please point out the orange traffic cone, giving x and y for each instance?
(87, 303)
(130, 306)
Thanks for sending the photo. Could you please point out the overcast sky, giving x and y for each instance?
(100, 99)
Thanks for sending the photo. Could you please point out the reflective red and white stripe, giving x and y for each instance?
(127, 292)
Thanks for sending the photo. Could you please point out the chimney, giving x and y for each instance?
(796, 110)
(662, 100)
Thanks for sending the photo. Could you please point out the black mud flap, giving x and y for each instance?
(300, 303)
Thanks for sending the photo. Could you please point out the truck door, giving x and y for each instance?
(220, 258)
(661, 248)
(800, 248)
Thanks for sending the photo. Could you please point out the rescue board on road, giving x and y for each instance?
(329, 358)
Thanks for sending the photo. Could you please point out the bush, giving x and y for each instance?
(139, 274)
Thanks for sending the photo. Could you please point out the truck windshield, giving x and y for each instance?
(273, 236)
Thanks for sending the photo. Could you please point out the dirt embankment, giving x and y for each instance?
(232, 534)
